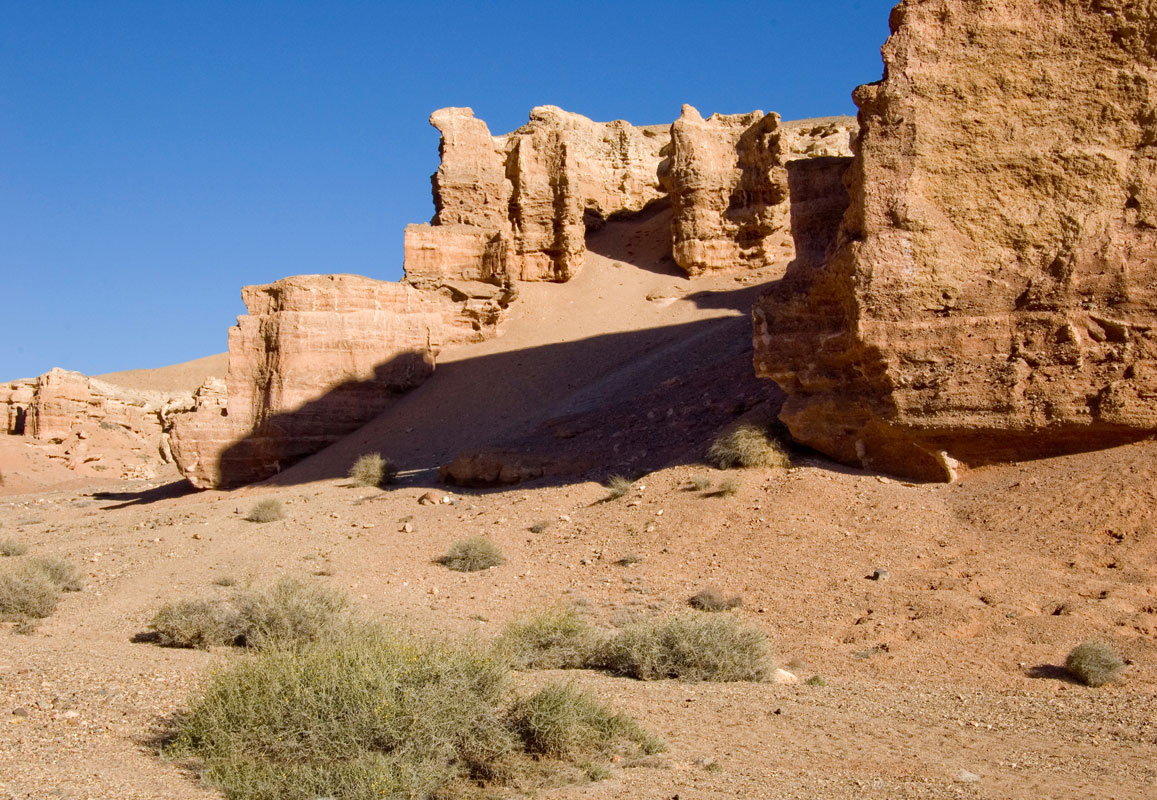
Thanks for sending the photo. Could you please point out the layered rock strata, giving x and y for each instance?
(516, 207)
(315, 358)
(991, 291)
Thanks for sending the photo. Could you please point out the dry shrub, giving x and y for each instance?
(267, 510)
(562, 722)
(372, 714)
(617, 486)
(11, 547)
(372, 470)
(1094, 664)
(31, 589)
(556, 638)
(539, 526)
(714, 600)
(290, 613)
(472, 555)
(747, 446)
(700, 483)
(692, 647)
(726, 488)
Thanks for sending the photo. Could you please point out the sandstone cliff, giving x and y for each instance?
(991, 291)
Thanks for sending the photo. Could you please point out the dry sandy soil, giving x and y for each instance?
(942, 681)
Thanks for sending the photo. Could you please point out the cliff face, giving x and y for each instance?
(316, 357)
(515, 207)
(992, 289)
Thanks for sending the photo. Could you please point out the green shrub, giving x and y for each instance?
(557, 638)
(714, 600)
(372, 470)
(11, 547)
(372, 714)
(693, 647)
(267, 510)
(617, 486)
(288, 614)
(472, 555)
(746, 446)
(196, 623)
(561, 722)
(1094, 664)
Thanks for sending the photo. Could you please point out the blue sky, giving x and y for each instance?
(157, 156)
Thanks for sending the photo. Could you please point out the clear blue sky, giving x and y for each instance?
(157, 156)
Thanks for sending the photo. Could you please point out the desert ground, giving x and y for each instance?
(944, 679)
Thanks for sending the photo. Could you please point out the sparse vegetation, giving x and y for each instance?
(1094, 664)
(617, 486)
(472, 555)
(372, 470)
(557, 638)
(225, 580)
(816, 680)
(699, 483)
(561, 722)
(11, 547)
(726, 488)
(747, 446)
(628, 559)
(539, 526)
(714, 600)
(371, 714)
(267, 510)
(31, 589)
(693, 647)
(290, 613)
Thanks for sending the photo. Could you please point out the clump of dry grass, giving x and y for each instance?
(267, 510)
(11, 547)
(555, 638)
(472, 555)
(1094, 664)
(289, 613)
(726, 488)
(747, 446)
(372, 470)
(714, 600)
(373, 714)
(617, 486)
(692, 647)
(699, 483)
(539, 526)
(32, 588)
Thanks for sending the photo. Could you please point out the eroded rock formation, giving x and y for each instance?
(87, 422)
(515, 207)
(991, 291)
(316, 357)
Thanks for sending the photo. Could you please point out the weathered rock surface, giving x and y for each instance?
(515, 207)
(85, 421)
(992, 289)
(316, 357)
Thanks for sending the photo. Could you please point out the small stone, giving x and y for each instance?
(446, 499)
(564, 518)
(20, 712)
(406, 528)
(964, 776)
(428, 499)
(70, 714)
(782, 676)
(880, 575)
(196, 536)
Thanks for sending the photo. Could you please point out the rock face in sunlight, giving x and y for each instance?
(991, 292)
(316, 357)
(516, 207)
(90, 425)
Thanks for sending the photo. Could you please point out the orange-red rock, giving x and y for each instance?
(992, 291)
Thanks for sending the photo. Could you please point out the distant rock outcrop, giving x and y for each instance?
(991, 292)
(83, 421)
(516, 207)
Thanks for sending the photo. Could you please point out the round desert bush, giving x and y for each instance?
(196, 623)
(60, 572)
(372, 470)
(561, 722)
(27, 592)
(746, 446)
(1094, 664)
(692, 647)
(268, 510)
(367, 714)
(11, 547)
(472, 555)
(556, 638)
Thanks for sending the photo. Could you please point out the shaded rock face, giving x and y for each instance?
(515, 207)
(316, 357)
(991, 291)
(82, 421)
